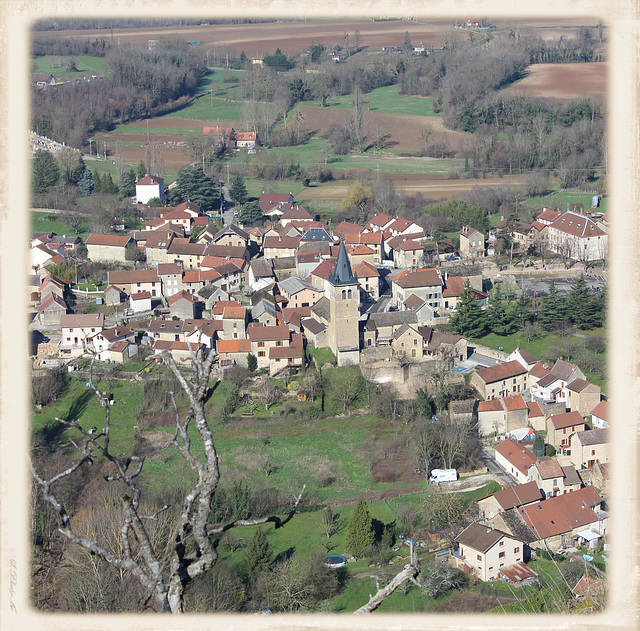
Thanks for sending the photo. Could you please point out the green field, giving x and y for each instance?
(57, 66)
(563, 200)
(49, 222)
(386, 100)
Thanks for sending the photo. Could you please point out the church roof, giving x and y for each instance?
(342, 274)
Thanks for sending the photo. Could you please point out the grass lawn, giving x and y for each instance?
(48, 222)
(385, 100)
(560, 199)
(57, 66)
(321, 356)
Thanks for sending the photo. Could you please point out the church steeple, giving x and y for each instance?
(342, 274)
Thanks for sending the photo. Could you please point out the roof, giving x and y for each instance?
(160, 239)
(324, 270)
(567, 419)
(181, 295)
(517, 572)
(400, 224)
(414, 302)
(428, 277)
(293, 285)
(571, 476)
(468, 231)
(293, 351)
(539, 370)
(345, 228)
(233, 346)
(200, 276)
(518, 495)
(549, 469)
(380, 220)
(516, 454)
(268, 333)
(263, 306)
(494, 405)
(111, 240)
(262, 268)
(394, 318)
(601, 410)
(125, 277)
(528, 357)
(140, 295)
(534, 409)
(578, 385)
(53, 301)
(365, 270)
(115, 332)
(500, 372)
(311, 324)
(592, 437)
(81, 320)
(453, 286)
(322, 309)
(369, 238)
(515, 402)
(245, 135)
(548, 215)
(281, 242)
(577, 225)
(149, 180)
(317, 234)
(342, 274)
(233, 312)
(479, 537)
(297, 212)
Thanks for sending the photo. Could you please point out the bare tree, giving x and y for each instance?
(425, 440)
(267, 392)
(193, 546)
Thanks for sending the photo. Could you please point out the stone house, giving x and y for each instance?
(426, 283)
(582, 396)
(589, 447)
(170, 275)
(275, 247)
(260, 273)
(107, 247)
(189, 254)
(182, 305)
(263, 338)
(299, 292)
(471, 243)
(500, 416)
(510, 497)
(114, 295)
(234, 323)
(552, 478)
(134, 281)
(117, 344)
(407, 254)
(501, 380)
(368, 279)
(78, 329)
(51, 310)
(233, 352)
(407, 343)
(265, 313)
(560, 428)
(296, 213)
(157, 245)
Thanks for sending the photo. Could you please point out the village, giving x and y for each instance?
(265, 298)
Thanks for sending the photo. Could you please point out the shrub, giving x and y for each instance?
(48, 387)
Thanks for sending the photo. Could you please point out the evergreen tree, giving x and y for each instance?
(251, 213)
(85, 183)
(128, 184)
(501, 320)
(97, 183)
(252, 362)
(552, 309)
(45, 172)
(195, 186)
(581, 305)
(469, 320)
(521, 310)
(259, 555)
(142, 170)
(238, 190)
(538, 445)
(360, 534)
(108, 185)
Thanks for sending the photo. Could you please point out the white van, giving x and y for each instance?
(443, 475)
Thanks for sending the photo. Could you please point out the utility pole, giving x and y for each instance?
(227, 173)
(90, 139)
(148, 142)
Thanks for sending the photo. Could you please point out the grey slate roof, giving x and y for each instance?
(264, 306)
(316, 234)
(262, 268)
(394, 318)
(293, 285)
(311, 324)
(342, 274)
(322, 309)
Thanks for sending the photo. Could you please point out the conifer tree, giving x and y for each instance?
(469, 320)
(360, 534)
(238, 190)
(85, 183)
(259, 557)
(45, 171)
(552, 309)
(581, 305)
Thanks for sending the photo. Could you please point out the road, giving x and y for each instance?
(494, 468)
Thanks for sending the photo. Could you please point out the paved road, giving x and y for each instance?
(494, 468)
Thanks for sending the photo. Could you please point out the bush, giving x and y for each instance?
(48, 387)
(438, 578)
(550, 451)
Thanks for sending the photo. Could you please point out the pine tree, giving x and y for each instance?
(469, 320)
(97, 183)
(251, 213)
(128, 184)
(259, 556)
(581, 305)
(501, 321)
(360, 534)
(538, 445)
(195, 186)
(521, 310)
(142, 170)
(85, 183)
(552, 309)
(238, 190)
(45, 171)
(108, 185)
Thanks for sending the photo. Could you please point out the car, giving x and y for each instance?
(235, 213)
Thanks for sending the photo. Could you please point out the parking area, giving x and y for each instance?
(536, 287)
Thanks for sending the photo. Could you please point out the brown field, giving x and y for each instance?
(563, 82)
(294, 36)
(427, 187)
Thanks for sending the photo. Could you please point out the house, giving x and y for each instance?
(107, 247)
(379, 222)
(380, 328)
(511, 497)
(527, 360)
(77, 330)
(560, 428)
(182, 305)
(589, 447)
(436, 345)
(43, 79)
(246, 139)
(140, 301)
(575, 236)
(265, 339)
(501, 380)
(401, 226)
(51, 310)
(157, 246)
(134, 281)
(407, 342)
(556, 521)
(515, 459)
(230, 235)
(553, 479)
(291, 356)
(299, 292)
(368, 279)
(600, 415)
(373, 240)
(425, 283)
(114, 295)
(315, 332)
(471, 243)
(189, 254)
(503, 415)
(265, 313)
(170, 275)
(451, 293)
(116, 345)
(407, 254)
(233, 351)
(275, 247)
(296, 213)
(582, 396)
(486, 551)
(536, 417)
(149, 187)
(260, 273)
(346, 228)
(234, 323)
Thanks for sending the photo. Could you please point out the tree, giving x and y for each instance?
(267, 392)
(193, 545)
(469, 320)
(501, 320)
(360, 534)
(331, 523)
(252, 362)
(443, 510)
(347, 385)
(127, 184)
(538, 445)
(195, 186)
(238, 190)
(85, 183)
(251, 213)
(359, 197)
(133, 253)
(259, 555)
(425, 441)
(531, 330)
(581, 305)
(552, 308)
(45, 172)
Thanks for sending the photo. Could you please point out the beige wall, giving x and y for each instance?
(505, 552)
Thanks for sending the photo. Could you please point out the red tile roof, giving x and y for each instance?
(149, 179)
(500, 372)
(519, 456)
(233, 346)
(577, 225)
(494, 405)
(181, 295)
(380, 219)
(111, 240)
(549, 469)
(268, 333)
(534, 410)
(518, 495)
(454, 286)
(601, 410)
(568, 419)
(365, 270)
(515, 402)
(234, 313)
(417, 278)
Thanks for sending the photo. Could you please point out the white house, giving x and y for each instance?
(148, 187)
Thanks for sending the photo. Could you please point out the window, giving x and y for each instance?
(261, 353)
(501, 543)
(593, 452)
(415, 342)
(278, 342)
(260, 344)
(502, 555)
(478, 557)
(516, 550)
